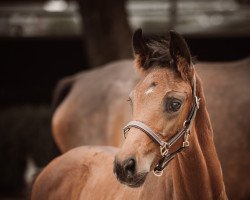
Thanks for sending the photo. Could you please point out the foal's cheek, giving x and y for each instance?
(145, 164)
(146, 155)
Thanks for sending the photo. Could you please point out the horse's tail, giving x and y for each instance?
(61, 90)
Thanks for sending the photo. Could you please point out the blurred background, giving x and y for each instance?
(43, 41)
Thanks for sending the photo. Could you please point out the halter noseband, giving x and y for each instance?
(165, 146)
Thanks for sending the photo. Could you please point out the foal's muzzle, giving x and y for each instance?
(126, 173)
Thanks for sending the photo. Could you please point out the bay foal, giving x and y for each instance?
(170, 122)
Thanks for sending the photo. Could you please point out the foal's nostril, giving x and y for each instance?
(129, 167)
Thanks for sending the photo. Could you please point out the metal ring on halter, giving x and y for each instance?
(125, 130)
(185, 144)
(186, 123)
(157, 173)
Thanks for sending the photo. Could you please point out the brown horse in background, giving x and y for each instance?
(168, 106)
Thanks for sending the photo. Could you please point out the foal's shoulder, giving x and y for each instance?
(80, 154)
(69, 171)
(78, 157)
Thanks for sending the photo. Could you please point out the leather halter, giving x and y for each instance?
(165, 145)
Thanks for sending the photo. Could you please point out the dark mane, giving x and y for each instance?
(158, 52)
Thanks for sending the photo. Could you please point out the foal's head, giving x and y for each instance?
(161, 100)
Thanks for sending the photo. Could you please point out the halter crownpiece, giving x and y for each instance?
(165, 145)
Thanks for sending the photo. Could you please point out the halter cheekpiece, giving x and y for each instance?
(166, 145)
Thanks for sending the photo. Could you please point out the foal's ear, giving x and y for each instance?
(141, 50)
(181, 56)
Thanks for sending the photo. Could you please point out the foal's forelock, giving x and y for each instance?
(157, 54)
(160, 55)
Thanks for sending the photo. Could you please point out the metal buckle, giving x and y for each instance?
(158, 173)
(197, 102)
(164, 149)
(125, 131)
(186, 142)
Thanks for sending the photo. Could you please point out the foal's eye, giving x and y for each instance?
(173, 105)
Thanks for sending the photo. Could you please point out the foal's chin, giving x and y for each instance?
(135, 181)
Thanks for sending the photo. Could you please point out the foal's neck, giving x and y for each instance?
(197, 172)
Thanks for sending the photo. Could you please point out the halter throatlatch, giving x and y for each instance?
(165, 145)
